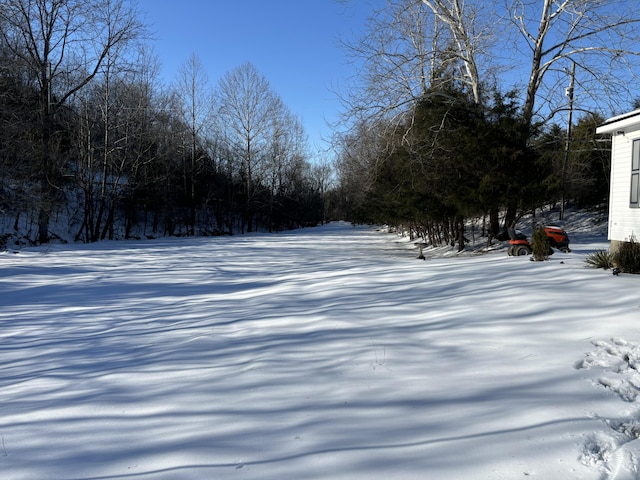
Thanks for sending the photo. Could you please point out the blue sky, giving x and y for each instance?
(293, 43)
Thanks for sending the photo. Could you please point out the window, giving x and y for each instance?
(634, 199)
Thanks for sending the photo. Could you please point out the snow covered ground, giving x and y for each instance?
(325, 353)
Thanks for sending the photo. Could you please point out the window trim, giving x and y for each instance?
(634, 192)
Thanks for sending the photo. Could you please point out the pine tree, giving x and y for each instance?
(540, 244)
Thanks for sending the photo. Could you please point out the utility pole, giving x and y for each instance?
(565, 164)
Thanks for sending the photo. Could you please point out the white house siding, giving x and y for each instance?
(624, 221)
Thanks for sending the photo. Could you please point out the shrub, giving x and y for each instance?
(540, 244)
(600, 259)
(627, 258)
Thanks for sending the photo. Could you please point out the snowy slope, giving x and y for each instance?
(323, 353)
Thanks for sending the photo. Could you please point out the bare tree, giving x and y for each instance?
(412, 46)
(472, 35)
(356, 164)
(114, 114)
(192, 91)
(322, 174)
(287, 144)
(600, 36)
(399, 60)
(405, 44)
(62, 45)
(246, 105)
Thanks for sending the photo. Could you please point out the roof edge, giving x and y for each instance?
(619, 122)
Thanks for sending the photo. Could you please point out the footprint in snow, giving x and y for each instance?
(616, 453)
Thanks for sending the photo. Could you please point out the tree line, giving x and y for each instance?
(93, 146)
(483, 110)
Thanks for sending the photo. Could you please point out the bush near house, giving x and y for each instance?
(627, 258)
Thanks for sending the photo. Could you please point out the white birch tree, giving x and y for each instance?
(600, 36)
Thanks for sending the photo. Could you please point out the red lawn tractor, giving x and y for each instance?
(519, 245)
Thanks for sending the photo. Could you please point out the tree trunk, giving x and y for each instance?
(460, 227)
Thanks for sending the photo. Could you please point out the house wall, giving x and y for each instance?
(624, 222)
